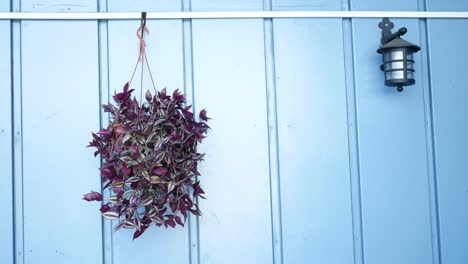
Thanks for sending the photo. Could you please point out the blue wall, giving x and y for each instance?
(311, 159)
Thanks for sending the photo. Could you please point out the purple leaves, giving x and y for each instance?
(105, 208)
(170, 222)
(179, 221)
(126, 169)
(138, 233)
(159, 171)
(104, 133)
(178, 97)
(150, 160)
(197, 190)
(148, 96)
(203, 115)
(92, 196)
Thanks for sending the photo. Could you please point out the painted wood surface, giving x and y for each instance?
(450, 136)
(236, 226)
(396, 216)
(6, 136)
(313, 140)
(450, 128)
(58, 129)
(311, 159)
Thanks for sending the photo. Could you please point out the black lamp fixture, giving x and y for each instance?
(397, 53)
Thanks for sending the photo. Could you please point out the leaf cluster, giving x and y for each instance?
(150, 160)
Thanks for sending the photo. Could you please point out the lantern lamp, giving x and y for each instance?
(397, 53)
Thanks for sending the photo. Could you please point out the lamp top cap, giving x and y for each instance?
(398, 43)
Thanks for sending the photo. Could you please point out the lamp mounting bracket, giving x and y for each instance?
(386, 25)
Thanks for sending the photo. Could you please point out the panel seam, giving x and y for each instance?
(353, 138)
(12, 140)
(12, 131)
(189, 90)
(17, 138)
(103, 66)
(431, 156)
(273, 144)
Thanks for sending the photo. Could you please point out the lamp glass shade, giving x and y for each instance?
(394, 65)
(395, 75)
(398, 65)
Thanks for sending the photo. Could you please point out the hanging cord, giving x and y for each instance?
(142, 57)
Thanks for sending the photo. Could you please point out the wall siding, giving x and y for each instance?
(236, 226)
(449, 112)
(57, 107)
(313, 140)
(6, 157)
(311, 159)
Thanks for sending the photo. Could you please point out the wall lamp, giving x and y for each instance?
(397, 53)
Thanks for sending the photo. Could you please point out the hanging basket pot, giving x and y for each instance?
(150, 158)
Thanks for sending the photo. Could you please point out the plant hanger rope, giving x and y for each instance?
(142, 56)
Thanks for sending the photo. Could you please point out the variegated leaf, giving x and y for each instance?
(146, 201)
(146, 175)
(170, 187)
(113, 199)
(129, 224)
(155, 179)
(118, 184)
(133, 179)
(119, 225)
(126, 137)
(128, 193)
(111, 215)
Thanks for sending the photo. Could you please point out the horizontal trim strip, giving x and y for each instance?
(224, 15)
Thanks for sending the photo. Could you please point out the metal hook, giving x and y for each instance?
(143, 23)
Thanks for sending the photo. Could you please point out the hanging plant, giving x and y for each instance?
(150, 159)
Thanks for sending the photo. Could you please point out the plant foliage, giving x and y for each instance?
(150, 160)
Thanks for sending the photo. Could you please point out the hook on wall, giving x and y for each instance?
(143, 23)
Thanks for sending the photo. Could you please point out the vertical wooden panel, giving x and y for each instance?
(450, 111)
(392, 144)
(394, 177)
(165, 55)
(317, 222)
(60, 109)
(450, 131)
(312, 123)
(60, 99)
(6, 155)
(230, 84)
